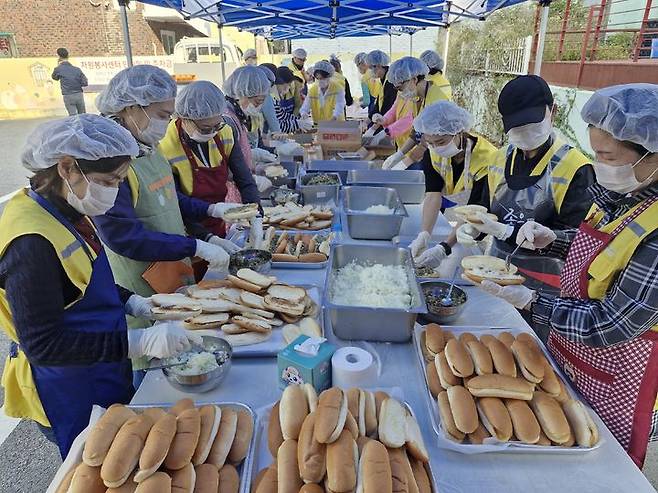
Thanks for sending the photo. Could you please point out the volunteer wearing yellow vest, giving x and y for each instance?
(366, 75)
(414, 92)
(341, 79)
(456, 173)
(200, 147)
(59, 303)
(326, 98)
(148, 246)
(301, 77)
(435, 64)
(382, 90)
(603, 327)
(536, 177)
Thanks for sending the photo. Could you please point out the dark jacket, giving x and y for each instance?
(71, 79)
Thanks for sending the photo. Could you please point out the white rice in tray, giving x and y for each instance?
(380, 209)
(385, 286)
(197, 364)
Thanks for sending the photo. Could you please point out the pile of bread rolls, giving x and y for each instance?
(295, 216)
(343, 441)
(502, 387)
(246, 307)
(186, 449)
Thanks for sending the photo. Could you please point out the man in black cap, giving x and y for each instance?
(536, 177)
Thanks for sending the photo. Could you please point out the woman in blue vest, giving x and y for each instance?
(59, 303)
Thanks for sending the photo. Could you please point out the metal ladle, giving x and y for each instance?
(447, 299)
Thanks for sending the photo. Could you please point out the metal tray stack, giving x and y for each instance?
(372, 323)
(410, 184)
(367, 226)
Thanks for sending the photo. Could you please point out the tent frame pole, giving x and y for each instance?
(126, 32)
(446, 46)
(221, 52)
(541, 38)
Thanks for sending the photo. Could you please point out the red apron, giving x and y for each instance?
(208, 184)
(620, 382)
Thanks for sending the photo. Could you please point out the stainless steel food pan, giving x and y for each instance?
(372, 323)
(342, 167)
(410, 184)
(319, 194)
(367, 226)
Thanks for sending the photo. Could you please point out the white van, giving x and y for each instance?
(201, 58)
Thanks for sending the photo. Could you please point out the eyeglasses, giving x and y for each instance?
(210, 130)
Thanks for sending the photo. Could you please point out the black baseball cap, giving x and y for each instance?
(284, 75)
(524, 100)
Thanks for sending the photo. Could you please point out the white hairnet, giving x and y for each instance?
(627, 112)
(378, 57)
(300, 53)
(87, 136)
(360, 58)
(271, 76)
(200, 100)
(404, 69)
(140, 85)
(432, 59)
(443, 118)
(324, 66)
(250, 53)
(247, 82)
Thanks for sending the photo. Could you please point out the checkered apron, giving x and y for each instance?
(620, 382)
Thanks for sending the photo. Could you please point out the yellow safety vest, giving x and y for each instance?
(23, 216)
(171, 148)
(566, 162)
(404, 106)
(483, 154)
(298, 86)
(376, 90)
(340, 78)
(442, 83)
(322, 112)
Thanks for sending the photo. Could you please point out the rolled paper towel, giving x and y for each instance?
(353, 367)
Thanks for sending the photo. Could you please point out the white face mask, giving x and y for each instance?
(252, 110)
(323, 83)
(621, 179)
(532, 135)
(251, 61)
(449, 150)
(97, 200)
(155, 130)
(193, 132)
(408, 92)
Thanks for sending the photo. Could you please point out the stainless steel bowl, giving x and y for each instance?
(258, 260)
(205, 382)
(435, 290)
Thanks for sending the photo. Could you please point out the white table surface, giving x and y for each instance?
(607, 469)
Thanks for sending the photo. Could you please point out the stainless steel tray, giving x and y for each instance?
(365, 226)
(342, 167)
(319, 194)
(263, 458)
(498, 447)
(410, 184)
(372, 323)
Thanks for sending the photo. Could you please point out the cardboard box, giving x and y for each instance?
(339, 135)
(297, 368)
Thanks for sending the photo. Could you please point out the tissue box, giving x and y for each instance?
(297, 368)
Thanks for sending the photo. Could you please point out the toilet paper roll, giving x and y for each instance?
(353, 367)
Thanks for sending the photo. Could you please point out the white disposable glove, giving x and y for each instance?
(392, 160)
(256, 233)
(217, 210)
(432, 257)
(139, 307)
(305, 124)
(467, 234)
(263, 156)
(227, 245)
(263, 183)
(401, 166)
(419, 245)
(517, 295)
(160, 341)
(534, 236)
(494, 228)
(215, 255)
(378, 138)
(377, 119)
(370, 132)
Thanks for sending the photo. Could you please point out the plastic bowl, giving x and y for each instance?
(205, 382)
(258, 260)
(434, 291)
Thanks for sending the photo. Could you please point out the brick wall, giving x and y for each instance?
(84, 27)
